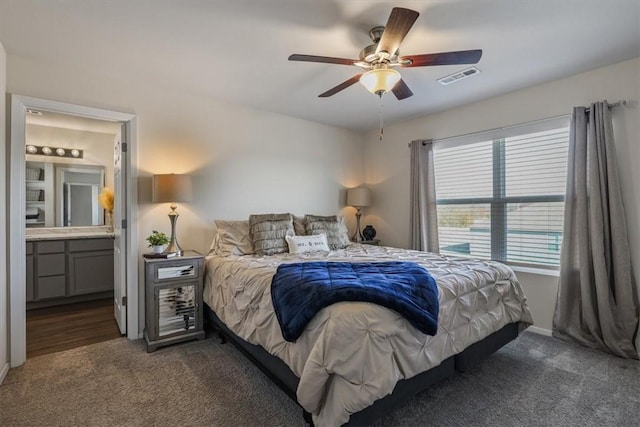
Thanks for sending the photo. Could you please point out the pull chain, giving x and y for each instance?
(381, 117)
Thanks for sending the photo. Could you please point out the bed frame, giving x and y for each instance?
(286, 380)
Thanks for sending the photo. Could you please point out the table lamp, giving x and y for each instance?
(172, 188)
(359, 198)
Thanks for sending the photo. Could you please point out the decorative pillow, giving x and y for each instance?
(298, 225)
(332, 226)
(302, 244)
(268, 232)
(233, 238)
(213, 249)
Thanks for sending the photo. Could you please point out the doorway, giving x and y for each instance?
(126, 296)
(70, 295)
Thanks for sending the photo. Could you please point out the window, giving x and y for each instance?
(500, 194)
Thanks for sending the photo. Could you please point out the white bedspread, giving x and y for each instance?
(351, 353)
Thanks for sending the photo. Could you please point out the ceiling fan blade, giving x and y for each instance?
(323, 59)
(400, 22)
(341, 86)
(443, 58)
(401, 90)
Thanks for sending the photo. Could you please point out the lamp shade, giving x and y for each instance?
(172, 188)
(358, 197)
(380, 80)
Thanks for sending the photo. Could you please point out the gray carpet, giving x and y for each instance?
(534, 381)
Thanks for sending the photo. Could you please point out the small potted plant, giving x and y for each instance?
(157, 241)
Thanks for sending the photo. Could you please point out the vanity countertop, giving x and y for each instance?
(66, 233)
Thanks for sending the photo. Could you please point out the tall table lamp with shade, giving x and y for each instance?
(359, 198)
(172, 188)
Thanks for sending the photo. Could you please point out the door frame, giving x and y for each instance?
(16, 259)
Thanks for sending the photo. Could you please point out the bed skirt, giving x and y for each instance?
(286, 380)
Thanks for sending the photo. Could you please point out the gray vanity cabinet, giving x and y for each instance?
(90, 266)
(66, 271)
(50, 270)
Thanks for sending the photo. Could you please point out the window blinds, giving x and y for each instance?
(500, 194)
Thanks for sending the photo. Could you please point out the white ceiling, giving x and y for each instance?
(236, 50)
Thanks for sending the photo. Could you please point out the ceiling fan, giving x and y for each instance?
(379, 59)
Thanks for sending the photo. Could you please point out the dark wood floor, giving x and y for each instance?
(54, 329)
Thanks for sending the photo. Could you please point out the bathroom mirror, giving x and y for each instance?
(76, 195)
(61, 187)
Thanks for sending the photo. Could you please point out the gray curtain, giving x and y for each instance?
(424, 217)
(597, 303)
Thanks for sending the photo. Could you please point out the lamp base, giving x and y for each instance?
(357, 236)
(173, 247)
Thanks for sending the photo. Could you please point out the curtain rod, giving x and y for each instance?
(495, 129)
(622, 102)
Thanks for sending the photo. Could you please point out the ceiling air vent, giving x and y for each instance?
(458, 76)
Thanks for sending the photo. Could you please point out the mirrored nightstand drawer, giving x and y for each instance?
(178, 268)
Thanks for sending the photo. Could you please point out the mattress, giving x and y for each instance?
(353, 353)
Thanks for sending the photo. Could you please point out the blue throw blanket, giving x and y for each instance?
(300, 290)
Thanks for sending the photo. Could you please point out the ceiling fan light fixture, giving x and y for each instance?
(380, 80)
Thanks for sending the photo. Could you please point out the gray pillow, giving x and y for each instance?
(298, 225)
(268, 233)
(332, 226)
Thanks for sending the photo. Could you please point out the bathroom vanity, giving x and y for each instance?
(68, 264)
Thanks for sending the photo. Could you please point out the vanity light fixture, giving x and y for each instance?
(36, 150)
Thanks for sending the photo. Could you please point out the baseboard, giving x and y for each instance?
(540, 331)
(3, 372)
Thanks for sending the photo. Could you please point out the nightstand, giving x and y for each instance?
(374, 242)
(173, 299)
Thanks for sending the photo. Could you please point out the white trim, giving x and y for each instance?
(16, 257)
(540, 331)
(4, 242)
(4, 372)
(133, 290)
(534, 270)
(16, 253)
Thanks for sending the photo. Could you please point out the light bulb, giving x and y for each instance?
(31, 149)
(60, 152)
(46, 151)
(380, 80)
(75, 153)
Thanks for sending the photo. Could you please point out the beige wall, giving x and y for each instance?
(387, 162)
(243, 160)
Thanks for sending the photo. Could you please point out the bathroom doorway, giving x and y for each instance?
(124, 294)
(69, 163)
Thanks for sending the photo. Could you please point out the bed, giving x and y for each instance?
(356, 360)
